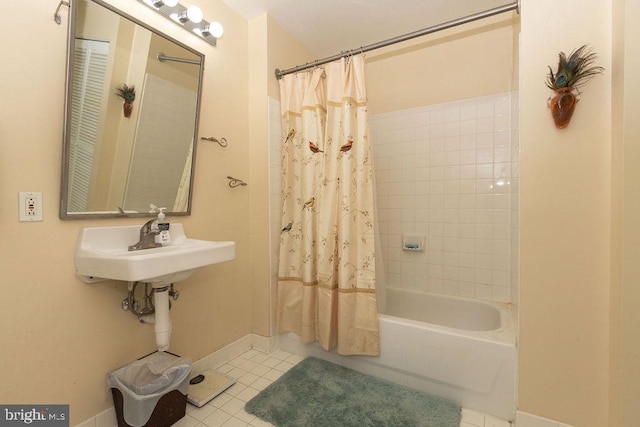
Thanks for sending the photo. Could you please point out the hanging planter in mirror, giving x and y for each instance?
(572, 73)
(128, 95)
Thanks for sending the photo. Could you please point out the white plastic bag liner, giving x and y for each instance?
(143, 382)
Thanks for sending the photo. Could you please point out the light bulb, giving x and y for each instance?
(216, 29)
(213, 29)
(194, 14)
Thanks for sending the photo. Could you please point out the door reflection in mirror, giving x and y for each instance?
(89, 74)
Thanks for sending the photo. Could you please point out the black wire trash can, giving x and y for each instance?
(151, 391)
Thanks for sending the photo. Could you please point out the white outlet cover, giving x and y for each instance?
(29, 206)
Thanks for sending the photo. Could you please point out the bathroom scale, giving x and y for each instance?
(204, 387)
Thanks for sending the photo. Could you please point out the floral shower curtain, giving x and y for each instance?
(326, 284)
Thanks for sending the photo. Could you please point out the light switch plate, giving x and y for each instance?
(29, 206)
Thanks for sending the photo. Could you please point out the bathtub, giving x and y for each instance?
(460, 349)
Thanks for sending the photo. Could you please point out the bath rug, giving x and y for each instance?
(317, 393)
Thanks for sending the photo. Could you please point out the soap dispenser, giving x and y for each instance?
(163, 237)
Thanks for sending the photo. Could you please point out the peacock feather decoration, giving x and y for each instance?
(127, 93)
(574, 71)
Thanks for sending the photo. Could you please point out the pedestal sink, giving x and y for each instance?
(102, 254)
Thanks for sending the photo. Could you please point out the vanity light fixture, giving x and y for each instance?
(190, 18)
(160, 3)
(192, 14)
(215, 29)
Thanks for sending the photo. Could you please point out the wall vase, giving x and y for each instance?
(127, 108)
(562, 104)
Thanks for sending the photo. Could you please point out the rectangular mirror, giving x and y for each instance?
(117, 162)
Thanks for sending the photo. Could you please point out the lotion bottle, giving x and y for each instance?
(163, 237)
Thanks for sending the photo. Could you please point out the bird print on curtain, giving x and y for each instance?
(326, 283)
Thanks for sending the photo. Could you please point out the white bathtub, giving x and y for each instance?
(456, 348)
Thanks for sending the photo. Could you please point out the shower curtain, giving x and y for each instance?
(326, 283)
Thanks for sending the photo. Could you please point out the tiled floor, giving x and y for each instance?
(253, 372)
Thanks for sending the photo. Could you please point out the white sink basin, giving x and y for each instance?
(102, 253)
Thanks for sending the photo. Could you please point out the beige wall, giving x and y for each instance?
(565, 221)
(617, 214)
(630, 289)
(283, 52)
(270, 46)
(60, 336)
(473, 60)
(625, 296)
(258, 175)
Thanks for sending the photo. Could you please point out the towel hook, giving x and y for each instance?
(235, 182)
(56, 15)
(222, 141)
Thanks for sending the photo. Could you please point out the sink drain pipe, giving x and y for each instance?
(162, 326)
(156, 310)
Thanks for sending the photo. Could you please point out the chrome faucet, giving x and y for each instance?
(147, 237)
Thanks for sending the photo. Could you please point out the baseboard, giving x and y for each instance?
(222, 356)
(107, 418)
(263, 344)
(524, 419)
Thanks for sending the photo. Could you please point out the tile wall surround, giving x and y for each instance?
(450, 172)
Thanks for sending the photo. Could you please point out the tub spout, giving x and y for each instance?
(162, 326)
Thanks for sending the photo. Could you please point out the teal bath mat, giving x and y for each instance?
(316, 393)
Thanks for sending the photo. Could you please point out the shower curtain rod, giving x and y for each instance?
(429, 30)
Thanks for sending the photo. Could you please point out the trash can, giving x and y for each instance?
(152, 391)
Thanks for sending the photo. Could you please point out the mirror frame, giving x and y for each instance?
(66, 140)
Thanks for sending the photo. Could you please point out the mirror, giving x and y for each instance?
(115, 164)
